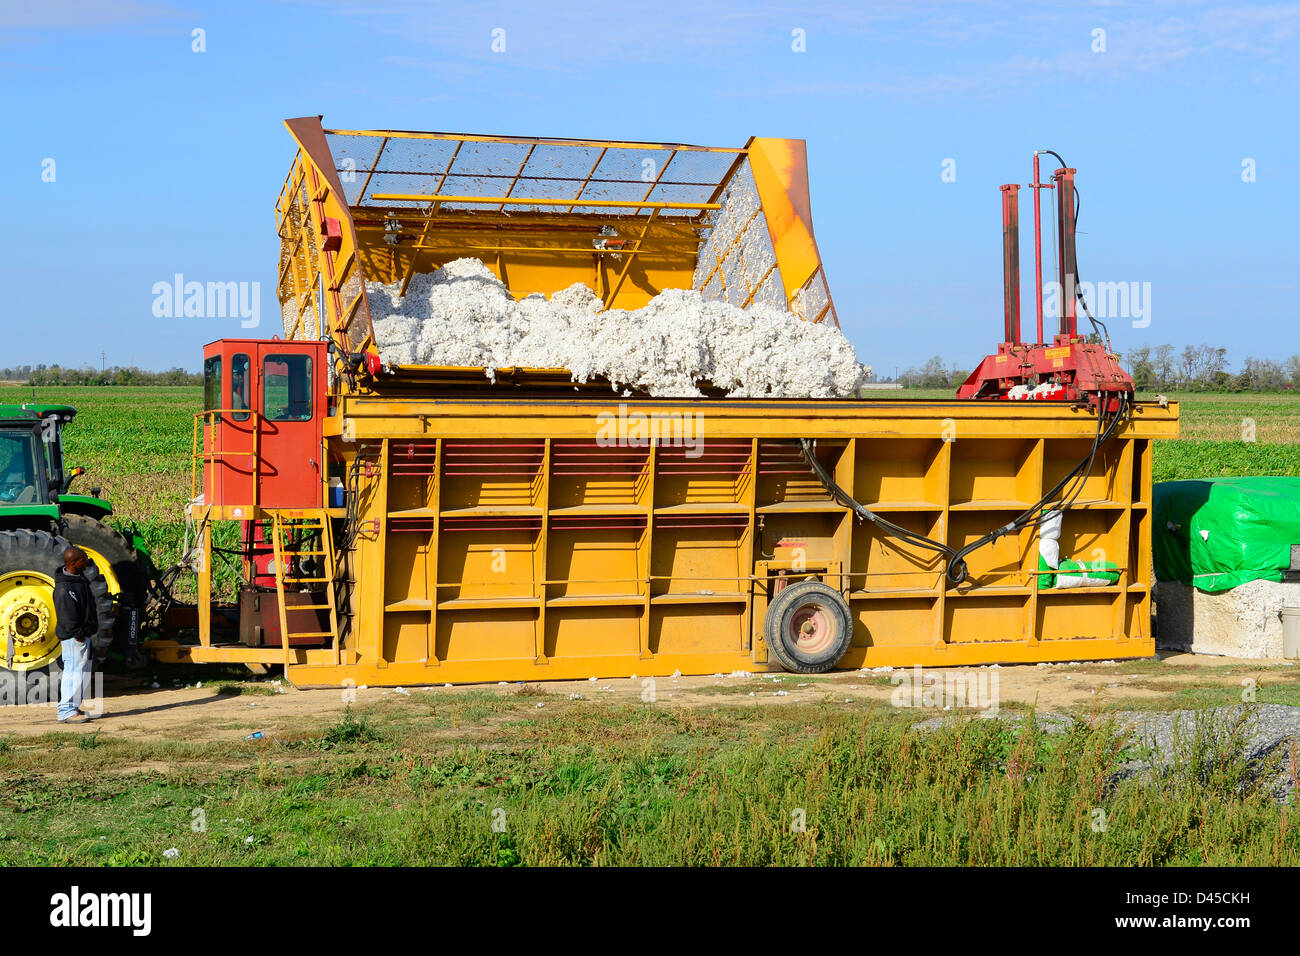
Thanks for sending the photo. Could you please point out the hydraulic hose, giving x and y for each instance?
(955, 569)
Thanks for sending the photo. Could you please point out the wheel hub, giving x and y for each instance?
(811, 628)
(27, 620)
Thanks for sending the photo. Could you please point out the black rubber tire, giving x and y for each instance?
(113, 545)
(41, 551)
(777, 626)
(121, 554)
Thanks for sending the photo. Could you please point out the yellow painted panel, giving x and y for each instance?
(898, 470)
(406, 636)
(691, 559)
(487, 563)
(406, 573)
(592, 632)
(695, 629)
(975, 620)
(882, 560)
(594, 561)
(1092, 536)
(891, 622)
(780, 168)
(487, 634)
(1080, 615)
(1137, 621)
(990, 470)
(999, 563)
(1107, 480)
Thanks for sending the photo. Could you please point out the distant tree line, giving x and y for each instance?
(87, 375)
(934, 374)
(1202, 368)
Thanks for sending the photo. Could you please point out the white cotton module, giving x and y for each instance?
(463, 315)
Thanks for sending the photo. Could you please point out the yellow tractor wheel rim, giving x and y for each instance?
(27, 612)
(105, 569)
(27, 620)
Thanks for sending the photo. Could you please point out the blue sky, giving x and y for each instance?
(167, 160)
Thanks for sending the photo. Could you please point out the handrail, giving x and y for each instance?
(211, 419)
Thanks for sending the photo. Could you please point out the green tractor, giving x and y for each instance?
(39, 517)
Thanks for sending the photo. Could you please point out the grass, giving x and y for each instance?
(350, 729)
(1208, 755)
(1180, 696)
(581, 784)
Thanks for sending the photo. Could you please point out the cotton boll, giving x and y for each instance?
(462, 315)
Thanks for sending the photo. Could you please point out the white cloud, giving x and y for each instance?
(77, 14)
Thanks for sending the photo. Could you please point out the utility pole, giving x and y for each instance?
(103, 360)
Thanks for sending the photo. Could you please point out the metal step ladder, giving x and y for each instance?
(287, 534)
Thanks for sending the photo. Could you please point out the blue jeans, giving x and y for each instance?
(78, 665)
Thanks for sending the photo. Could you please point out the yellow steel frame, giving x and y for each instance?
(651, 567)
(541, 242)
(502, 200)
(282, 527)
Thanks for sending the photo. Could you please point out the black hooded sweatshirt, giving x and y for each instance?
(74, 607)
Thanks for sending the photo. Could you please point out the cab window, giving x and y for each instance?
(239, 386)
(18, 468)
(212, 384)
(286, 388)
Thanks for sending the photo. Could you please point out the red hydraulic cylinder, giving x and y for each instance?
(1068, 269)
(1038, 252)
(1011, 263)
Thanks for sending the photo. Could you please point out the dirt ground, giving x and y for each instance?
(234, 706)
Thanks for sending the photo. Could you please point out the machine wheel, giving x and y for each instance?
(808, 627)
(113, 554)
(28, 560)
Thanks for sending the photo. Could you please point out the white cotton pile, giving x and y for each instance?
(463, 315)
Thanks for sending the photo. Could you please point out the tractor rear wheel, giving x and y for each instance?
(28, 561)
(113, 554)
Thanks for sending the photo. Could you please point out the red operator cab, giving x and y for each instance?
(260, 432)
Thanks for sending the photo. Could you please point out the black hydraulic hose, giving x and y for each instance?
(1036, 514)
(1052, 152)
(865, 513)
(1097, 325)
(955, 569)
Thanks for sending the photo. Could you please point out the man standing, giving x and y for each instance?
(76, 622)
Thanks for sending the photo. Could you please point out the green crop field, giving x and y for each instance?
(136, 444)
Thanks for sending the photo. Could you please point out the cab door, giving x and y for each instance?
(228, 427)
(290, 388)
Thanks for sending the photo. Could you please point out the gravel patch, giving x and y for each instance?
(1268, 732)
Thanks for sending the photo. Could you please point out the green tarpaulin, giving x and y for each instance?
(1217, 534)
